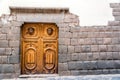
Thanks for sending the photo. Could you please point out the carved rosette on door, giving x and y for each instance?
(39, 48)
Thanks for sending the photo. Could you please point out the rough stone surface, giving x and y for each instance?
(82, 49)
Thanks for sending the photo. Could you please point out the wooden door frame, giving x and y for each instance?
(21, 44)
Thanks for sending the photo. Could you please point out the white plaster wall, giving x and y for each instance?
(90, 12)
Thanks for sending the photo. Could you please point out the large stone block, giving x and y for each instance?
(3, 43)
(78, 49)
(99, 41)
(75, 65)
(2, 51)
(8, 68)
(103, 55)
(114, 5)
(116, 55)
(117, 64)
(113, 23)
(71, 49)
(102, 48)
(81, 41)
(62, 58)
(94, 48)
(14, 43)
(89, 56)
(74, 42)
(2, 36)
(62, 67)
(109, 56)
(4, 59)
(107, 41)
(89, 65)
(101, 64)
(75, 56)
(63, 49)
(64, 41)
(13, 36)
(13, 59)
(86, 48)
(96, 56)
(82, 56)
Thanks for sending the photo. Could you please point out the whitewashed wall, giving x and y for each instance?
(90, 12)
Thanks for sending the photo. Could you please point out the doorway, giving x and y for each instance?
(39, 48)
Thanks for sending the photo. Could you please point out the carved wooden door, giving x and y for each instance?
(39, 48)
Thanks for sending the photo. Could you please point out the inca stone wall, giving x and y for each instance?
(82, 49)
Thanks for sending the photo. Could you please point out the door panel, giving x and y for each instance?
(39, 48)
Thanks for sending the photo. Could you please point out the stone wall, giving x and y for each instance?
(82, 49)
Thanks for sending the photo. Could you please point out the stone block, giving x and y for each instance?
(87, 41)
(117, 64)
(62, 67)
(63, 49)
(1, 68)
(5, 30)
(110, 48)
(17, 68)
(74, 42)
(65, 34)
(64, 41)
(105, 71)
(78, 49)
(108, 34)
(96, 56)
(13, 36)
(88, 65)
(15, 51)
(3, 43)
(116, 55)
(110, 64)
(75, 65)
(83, 72)
(89, 56)
(14, 43)
(81, 41)
(113, 71)
(103, 55)
(101, 64)
(102, 48)
(13, 59)
(114, 5)
(2, 36)
(94, 48)
(4, 59)
(75, 56)
(83, 35)
(75, 72)
(116, 10)
(62, 58)
(116, 13)
(93, 40)
(109, 55)
(98, 72)
(83, 56)
(71, 49)
(75, 29)
(86, 48)
(75, 34)
(8, 51)
(17, 23)
(2, 51)
(116, 34)
(64, 73)
(8, 68)
(107, 41)
(117, 18)
(99, 41)
(113, 23)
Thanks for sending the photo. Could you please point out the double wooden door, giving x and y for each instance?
(39, 48)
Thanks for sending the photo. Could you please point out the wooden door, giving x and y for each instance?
(39, 48)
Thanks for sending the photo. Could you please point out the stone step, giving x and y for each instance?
(85, 77)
